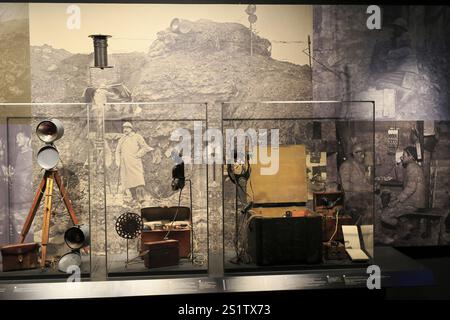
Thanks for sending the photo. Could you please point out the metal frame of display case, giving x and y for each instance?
(397, 271)
(112, 275)
(44, 275)
(312, 118)
(394, 267)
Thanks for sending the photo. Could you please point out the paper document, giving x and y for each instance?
(352, 243)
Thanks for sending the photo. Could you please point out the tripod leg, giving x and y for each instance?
(65, 196)
(46, 222)
(37, 199)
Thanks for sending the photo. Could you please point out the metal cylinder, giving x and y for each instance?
(100, 50)
(48, 157)
(72, 258)
(77, 237)
(50, 130)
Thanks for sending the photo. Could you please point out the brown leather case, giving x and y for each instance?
(165, 213)
(20, 256)
(329, 226)
(161, 254)
(182, 236)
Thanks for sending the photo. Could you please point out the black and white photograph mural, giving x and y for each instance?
(184, 56)
(403, 66)
(166, 65)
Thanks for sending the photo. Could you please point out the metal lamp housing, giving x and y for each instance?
(48, 157)
(77, 237)
(49, 131)
(69, 260)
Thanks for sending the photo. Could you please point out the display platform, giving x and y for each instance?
(396, 270)
(117, 268)
(231, 267)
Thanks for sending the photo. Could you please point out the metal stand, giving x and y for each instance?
(237, 259)
(132, 260)
(126, 263)
(46, 187)
(191, 221)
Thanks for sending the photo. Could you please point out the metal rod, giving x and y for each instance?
(297, 101)
(191, 219)
(126, 265)
(236, 225)
(309, 55)
(207, 196)
(374, 165)
(163, 103)
(289, 119)
(158, 120)
(28, 104)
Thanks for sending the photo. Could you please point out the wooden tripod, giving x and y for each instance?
(46, 187)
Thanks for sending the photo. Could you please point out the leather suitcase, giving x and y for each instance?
(182, 236)
(278, 241)
(161, 254)
(20, 256)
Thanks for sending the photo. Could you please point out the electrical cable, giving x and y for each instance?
(175, 216)
(337, 226)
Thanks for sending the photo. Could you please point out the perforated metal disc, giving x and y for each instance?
(129, 225)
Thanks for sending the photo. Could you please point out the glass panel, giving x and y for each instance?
(300, 172)
(51, 176)
(156, 216)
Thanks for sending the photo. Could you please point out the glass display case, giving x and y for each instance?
(45, 209)
(113, 185)
(155, 188)
(188, 198)
(298, 185)
(131, 180)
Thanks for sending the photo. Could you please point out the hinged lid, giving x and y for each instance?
(19, 248)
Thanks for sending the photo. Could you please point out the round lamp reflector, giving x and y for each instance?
(69, 259)
(48, 157)
(77, 237)
(50, 130)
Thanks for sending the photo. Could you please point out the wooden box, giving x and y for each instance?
(20, 256)
(161, 253)
(285, 185)
(328, 203)
(168, 214)
(182, 236)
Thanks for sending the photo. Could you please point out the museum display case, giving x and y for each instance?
(155, 188)
(46, 191)
(298, 187)
(200, 148)
(137, 199)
